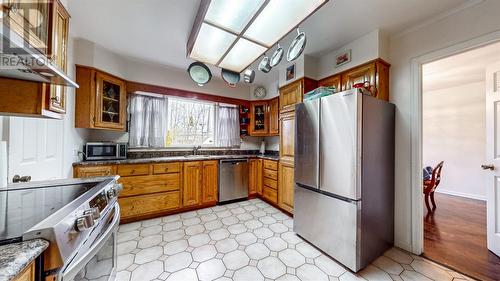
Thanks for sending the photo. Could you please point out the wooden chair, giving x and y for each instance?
(431, 185)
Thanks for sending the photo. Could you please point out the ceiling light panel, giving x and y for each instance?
(233, 15)
(241, 55)
(211, 44)
(278, 18)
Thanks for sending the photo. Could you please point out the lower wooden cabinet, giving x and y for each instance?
(28, 274)
(255, 177)
(151, 190)
(210, 182)
(286, 186)
(191, 194)
(270, 181)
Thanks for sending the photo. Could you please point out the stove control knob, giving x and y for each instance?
(84, 222)
(94, 212)
(114, 191)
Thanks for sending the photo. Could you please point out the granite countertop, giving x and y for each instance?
(173, 159)
(16, 256)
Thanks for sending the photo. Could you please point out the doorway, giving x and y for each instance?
(454, 147)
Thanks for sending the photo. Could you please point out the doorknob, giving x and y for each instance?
(18, 178)
(488, 167)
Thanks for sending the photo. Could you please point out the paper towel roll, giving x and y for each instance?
(3, 163)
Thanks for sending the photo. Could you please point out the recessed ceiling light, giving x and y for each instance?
(233, 34)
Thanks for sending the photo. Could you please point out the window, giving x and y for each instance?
(162, 122)
(190, 123)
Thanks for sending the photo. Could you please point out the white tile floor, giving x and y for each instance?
(249, 240)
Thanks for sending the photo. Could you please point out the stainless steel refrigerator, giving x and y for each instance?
(344, 176)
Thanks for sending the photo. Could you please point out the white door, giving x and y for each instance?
(35, 148)
(493, 156)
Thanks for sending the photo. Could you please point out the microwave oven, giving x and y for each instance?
(105, 151)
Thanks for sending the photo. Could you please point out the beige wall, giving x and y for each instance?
(454, 132)
(460, 26)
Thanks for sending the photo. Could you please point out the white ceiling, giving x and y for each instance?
(157, 30)
(461, 69)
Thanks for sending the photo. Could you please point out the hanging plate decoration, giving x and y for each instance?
(199, 73)
(297, 47)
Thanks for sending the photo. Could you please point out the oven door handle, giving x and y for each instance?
(77, 265)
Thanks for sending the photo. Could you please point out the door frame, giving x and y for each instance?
(416, 133)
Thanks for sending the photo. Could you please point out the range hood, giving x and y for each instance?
(21, 61)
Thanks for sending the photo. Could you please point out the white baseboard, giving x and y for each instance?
(465, 195)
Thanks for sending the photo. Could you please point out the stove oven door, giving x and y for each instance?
(96, 260)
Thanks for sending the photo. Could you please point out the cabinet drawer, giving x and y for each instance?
(140, 185)
(166, 168)
(270, 183)
(147, 204)
(133, 170)
(271, 174)
(94, 171)
(271, 165)
(270, 194)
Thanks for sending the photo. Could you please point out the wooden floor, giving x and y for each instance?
(455, 236)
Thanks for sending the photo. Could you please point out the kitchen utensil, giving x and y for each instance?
(297, 47)
(277, 56)
(249, 76)
(230, 77)
(199, 73)
(264, 65)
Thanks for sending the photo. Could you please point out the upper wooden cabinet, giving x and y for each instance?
(264, 118)
(259, 121)
(30, 20)
(210, 182)
(291, 94)
(274, 114)
(375, 72)
(48, 33)
(100, 101)
(58, 54)
(332, 81)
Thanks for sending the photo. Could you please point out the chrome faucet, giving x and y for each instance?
(196, 149)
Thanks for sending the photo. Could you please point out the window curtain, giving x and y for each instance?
(148, 121)
(228, 126)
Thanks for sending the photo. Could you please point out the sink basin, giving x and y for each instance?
(196, 156)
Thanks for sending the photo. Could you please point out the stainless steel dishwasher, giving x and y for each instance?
(233, 179)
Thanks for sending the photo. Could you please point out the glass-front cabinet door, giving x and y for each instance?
(110, 102)
(259, 119)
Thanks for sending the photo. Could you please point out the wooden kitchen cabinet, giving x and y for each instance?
(270, 181)
(286, 187)
(28, 274)
(210, 182)
(291, 94)
(93, 171)
(274, 115)
(332, 81)
(259, 119)
(287, 136)
(192, 183)
(361, 74)
(255, 177)
(58, 54)
(100, 101)
(264, 118)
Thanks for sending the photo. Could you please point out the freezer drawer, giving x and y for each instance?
(329, 224)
